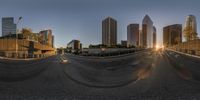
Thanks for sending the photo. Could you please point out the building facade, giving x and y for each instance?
(147, 30)
(140, 38)
(109, 32)
(53, 41)
(133, 35)
(25, 49)
(172, 35)
(74, 46)
(8, 26)
(154, 37)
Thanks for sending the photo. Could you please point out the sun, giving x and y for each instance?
(157, 47)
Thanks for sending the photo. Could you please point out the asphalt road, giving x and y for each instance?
(147, 75)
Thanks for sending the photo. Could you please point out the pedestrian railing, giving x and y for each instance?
(23, 55)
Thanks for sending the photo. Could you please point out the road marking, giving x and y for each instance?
(63, 59)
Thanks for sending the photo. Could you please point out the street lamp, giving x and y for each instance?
(16, 40)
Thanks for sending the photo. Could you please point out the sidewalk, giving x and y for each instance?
(27, 59)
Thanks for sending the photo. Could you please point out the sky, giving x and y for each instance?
(82, 19)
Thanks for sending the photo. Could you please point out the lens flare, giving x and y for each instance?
(157, 47)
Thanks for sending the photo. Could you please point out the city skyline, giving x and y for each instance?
(67, 24)
(100, 49)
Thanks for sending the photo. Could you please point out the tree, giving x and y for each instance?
(27, 32)
(35, 36)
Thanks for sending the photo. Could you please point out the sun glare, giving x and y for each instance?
(157, 47)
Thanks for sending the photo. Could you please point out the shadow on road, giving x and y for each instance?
(110, 73)
(11, 71)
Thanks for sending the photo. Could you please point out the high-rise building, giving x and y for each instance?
(190, 28)
(140, 38)
(144, 35)
(147, 30)
(154, 37)
(109, 31)
(133, 35)
(8, 26)
(172, 35)
(46, 37)
(52, 41)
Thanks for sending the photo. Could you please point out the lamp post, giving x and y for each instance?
(16, 40)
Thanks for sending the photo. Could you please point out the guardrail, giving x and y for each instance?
(183, 53)
(107, 57)
(110, 54)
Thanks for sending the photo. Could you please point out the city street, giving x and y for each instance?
(145, 75)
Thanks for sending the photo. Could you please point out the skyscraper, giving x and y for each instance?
(147, 30)
(190, 28)
(172, 35)
(133, 35)
(109, 31)
(52, 41)
(8, 26)
(144, 35)
(140, 38)
(154, 37)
